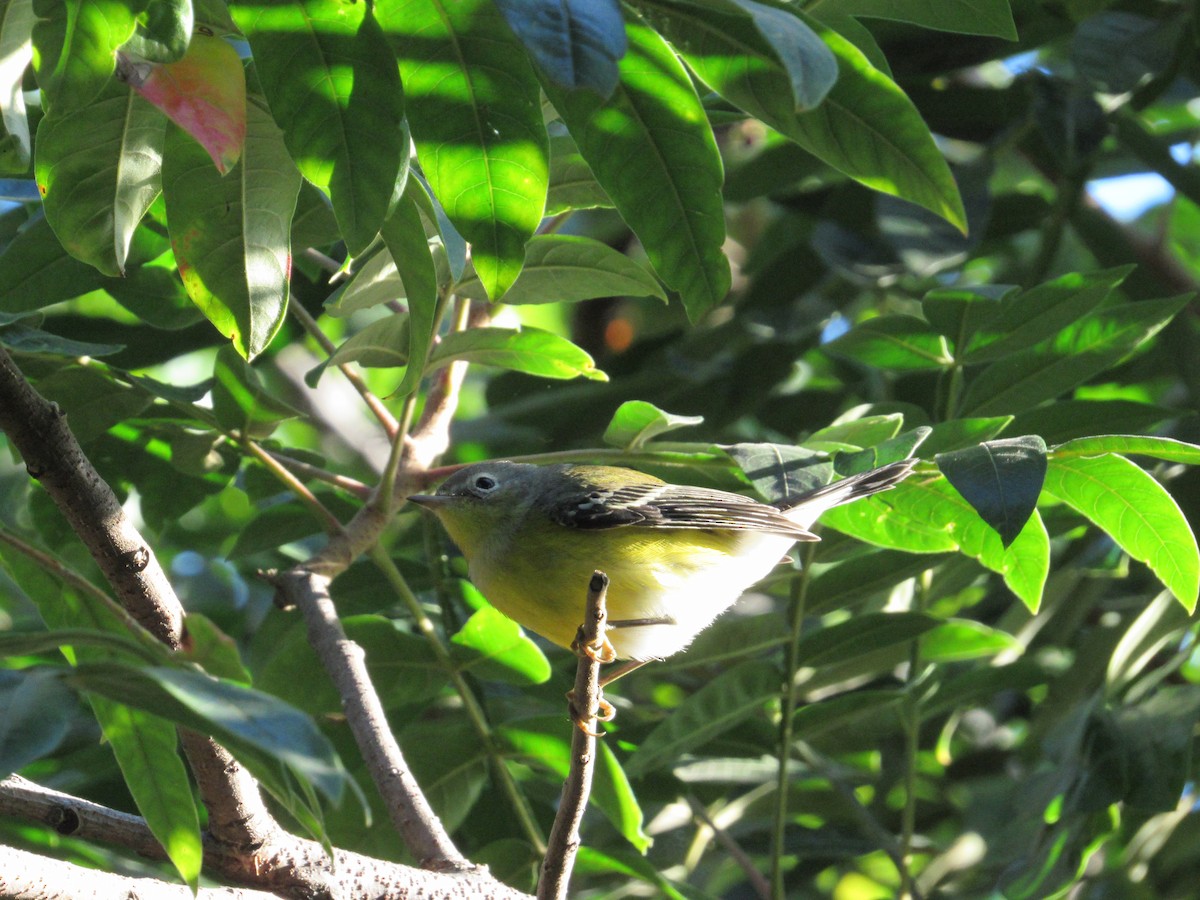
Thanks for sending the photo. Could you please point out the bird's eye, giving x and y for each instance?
(485, 483)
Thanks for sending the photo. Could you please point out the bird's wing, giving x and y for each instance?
(654, 504)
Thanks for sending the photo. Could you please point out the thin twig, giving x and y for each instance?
(586, 704)
(374, 404)
(316, 473)
(758, 881)
(328, 520)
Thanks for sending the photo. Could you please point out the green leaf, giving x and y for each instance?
(635, 422)
(865, 128)
(74, 48)
(652, 150)
(35, 715)
(529, 350)
(894, 343)
(1066, 419)
(721, 704)
(275, 741)
(927, 516)
(1091, 345)
(779, 470)
(240, 401)
(861, 635)
(859, 430)
(963, 639)
(493, 647)
(402, 667)
(374, 281)
(1136, 511)
(572, 184)
(163, 31)
(146, 748)
(1000, 479)
(959, 312)
(34, 340)
(36, 271)
(16, 51)
(1155, 629)
(563, 268)
(576, 43)
(382, 344)
(231, 235)
(92, 629)
(547, 741)
(404, 235)
(329, 74)
(1023, 319)
(846, 712)
(991, 18)
(811, 67)
(96, 192)
(473, 104)
(212, 650)
(1163, 448)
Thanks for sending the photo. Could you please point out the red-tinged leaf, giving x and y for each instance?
(205, 95)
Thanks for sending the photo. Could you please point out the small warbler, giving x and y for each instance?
(676, 556)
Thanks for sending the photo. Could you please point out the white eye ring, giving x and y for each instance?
(485, 483)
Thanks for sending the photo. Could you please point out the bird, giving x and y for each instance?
(676, 556)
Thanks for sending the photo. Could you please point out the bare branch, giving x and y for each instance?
(587, 706)
(27, 876)
(288, 865)
(345, 662)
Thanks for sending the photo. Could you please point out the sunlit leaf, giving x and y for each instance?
(652, 150)
(492, 646)
(529, 350)
(231, 234)
(472, 101)
(1136, 511)
(334, 88)
(562, 268)
(865, 127)
(74, 48)
(96, 192)
(894, 343)
(1083, 349)
(635, 422)
(544, 741)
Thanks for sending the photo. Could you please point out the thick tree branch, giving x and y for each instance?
(289, 865)
(27, 876)
(38, 430)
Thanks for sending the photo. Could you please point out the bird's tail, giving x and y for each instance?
(805, 509)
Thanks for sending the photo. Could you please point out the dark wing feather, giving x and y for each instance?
(658, 505)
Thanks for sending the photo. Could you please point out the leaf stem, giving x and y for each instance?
(791, 699)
